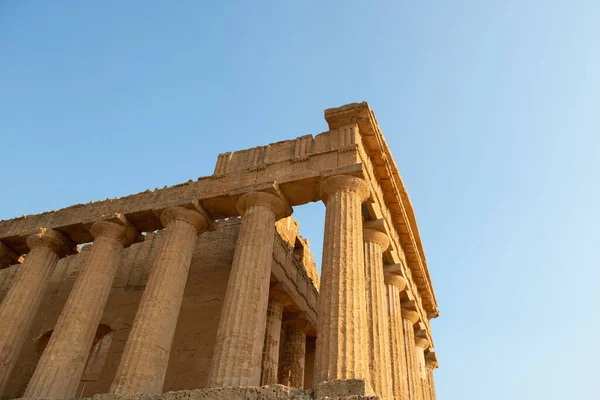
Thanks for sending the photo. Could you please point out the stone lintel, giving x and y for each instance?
(350, 170)
(8, 256)
(298, 288)
(298, 184)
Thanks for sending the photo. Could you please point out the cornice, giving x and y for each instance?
(396, 198)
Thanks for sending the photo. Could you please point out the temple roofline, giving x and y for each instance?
(379, 151)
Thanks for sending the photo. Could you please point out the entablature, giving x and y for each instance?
(394, 193)
(292, 169)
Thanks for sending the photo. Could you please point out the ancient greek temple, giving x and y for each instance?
(206, 290)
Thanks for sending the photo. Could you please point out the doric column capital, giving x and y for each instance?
(338, 183)
(198, 218)
(375, 236)
(278, 293)
(395, 280)
(296, 321)
(8, 256)
(271, 201)
(411, 315)
(119, 229)
(431, 361)
(54, 240)
(300, 324)
(421, 342)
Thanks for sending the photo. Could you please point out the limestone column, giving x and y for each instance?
(144, 361)
(342, 339)
(270, 360)
(376, 243)
(431, 363)
(420, 345)
(409, 318)
(240, 336)
(293, 355)
(309, 364)
(19, 307)
(394, 284)
(59, 370)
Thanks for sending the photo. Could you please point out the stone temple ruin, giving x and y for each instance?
(206, 289)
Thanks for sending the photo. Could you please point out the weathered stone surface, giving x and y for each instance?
(344, 389)
(270, 358)
(59, 370)
(431, 364)
(143, 366)
(409, 319)
(240, 336)
(422, 386)
(19, 307)
(376, 243)
(293, 354)
(394, 284)
(342, 349)
(8, 256)
(195, 334)
(144, 319)
(271, 392)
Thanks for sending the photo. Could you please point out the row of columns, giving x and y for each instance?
(359, 337)
(284, 350)
(398, 365)
(363, 330)
(144, 361)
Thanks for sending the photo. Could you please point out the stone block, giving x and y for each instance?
(344, 389)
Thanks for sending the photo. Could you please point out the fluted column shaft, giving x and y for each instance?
(409, 318)
(270, 360)
(430, 382)
(342, 351)
(144, 361)
(62, 363)
(394, 284)
(377, 317)
(240, 336)
(291, 365)
(420, 345)
(19, 307)
(426, 387)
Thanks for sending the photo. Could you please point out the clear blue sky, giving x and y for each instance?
(491, 111)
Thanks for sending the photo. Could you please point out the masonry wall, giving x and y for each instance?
(196, 330)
